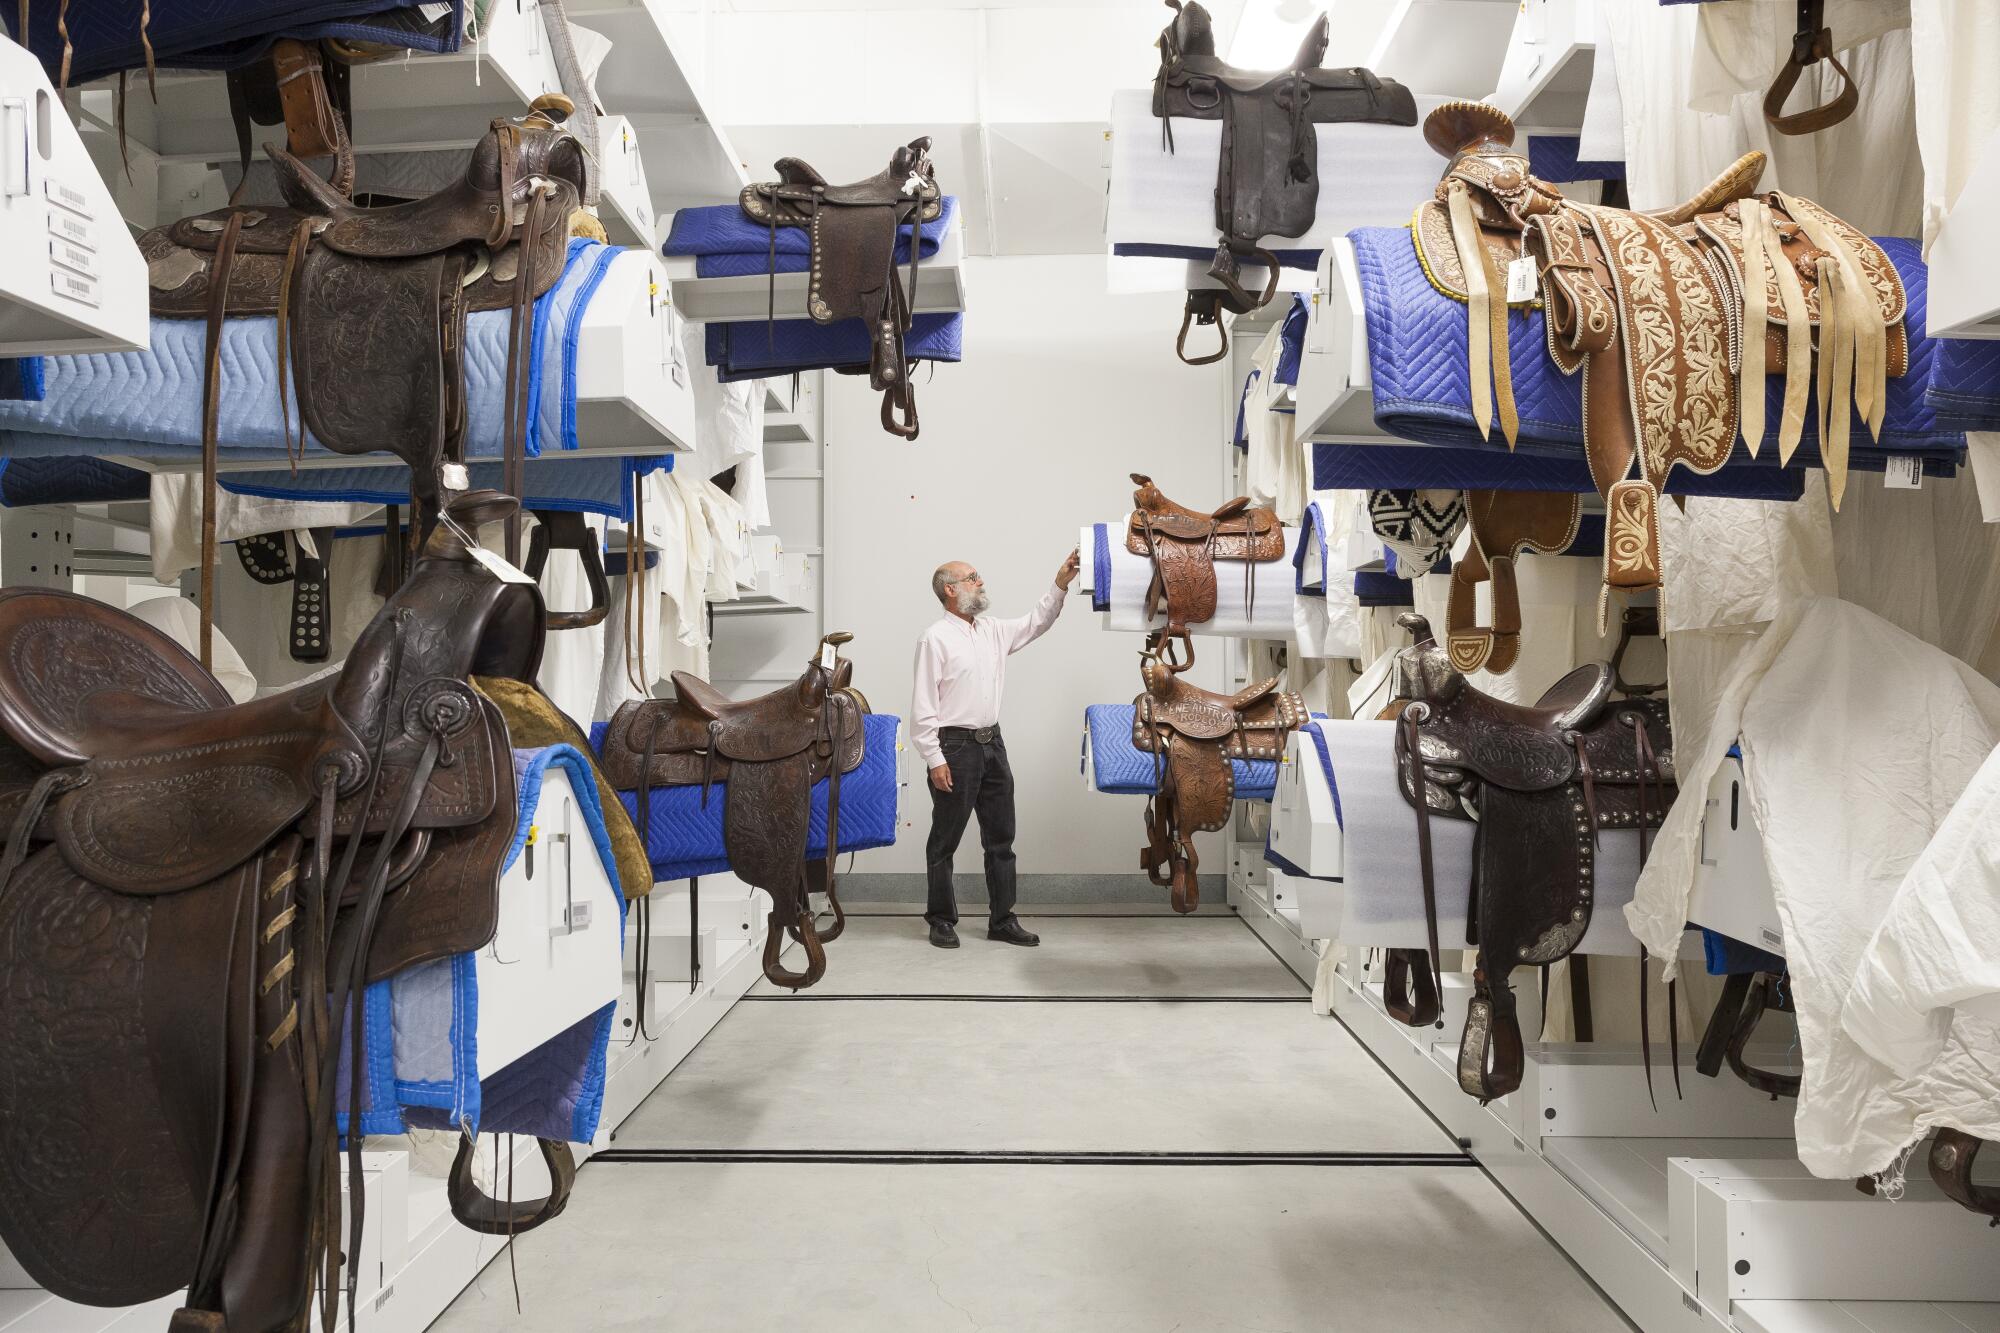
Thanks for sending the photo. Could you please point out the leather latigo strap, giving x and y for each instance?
(1193, 734)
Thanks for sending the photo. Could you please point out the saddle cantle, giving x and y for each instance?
(1674, 318)
(1267, 181)
(1540, 782)
(769, 752)
(193, 895)
(1184, 545)
(853, 267)
(1192, 735)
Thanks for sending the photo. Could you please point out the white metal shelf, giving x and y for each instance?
(1964, 299)
(1545, 76)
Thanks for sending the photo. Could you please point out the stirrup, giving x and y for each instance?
(1191, 315)
(774, 935)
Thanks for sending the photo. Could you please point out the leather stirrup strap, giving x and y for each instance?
(211, 404)
(1478, 303)
(1413, 755)
(1812, 44)
(479, 1211)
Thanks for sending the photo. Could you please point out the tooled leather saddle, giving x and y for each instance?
(371, 302)
(1674, 318)
(1184, 545)
(1540, 782)
(1267, 181)
(853, 261)
(193, 898)
(769, 752)
(1193, 734)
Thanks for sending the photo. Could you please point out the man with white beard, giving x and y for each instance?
(955, 726)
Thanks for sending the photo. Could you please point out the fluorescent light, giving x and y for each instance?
(1268, 32)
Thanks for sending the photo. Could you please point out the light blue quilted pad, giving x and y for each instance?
(1117, 766)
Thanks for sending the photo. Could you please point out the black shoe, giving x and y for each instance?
(943, 935)
(1011, 931)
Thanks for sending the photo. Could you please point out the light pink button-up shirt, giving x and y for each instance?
(961, 668)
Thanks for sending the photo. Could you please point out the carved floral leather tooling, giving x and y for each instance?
(853, 263)
(193, 898)
(1267, 179)
(769, 752)
(1192, 735)
(1540, 782)
(1673, 318)
(1184, 545)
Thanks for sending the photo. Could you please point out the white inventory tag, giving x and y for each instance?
(432, 13)
(828, 655)
(1903, 474)
(1522, 280)
(498, 567)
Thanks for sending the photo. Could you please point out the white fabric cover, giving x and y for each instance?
(180, 620)
(1330, 625)
(1926, 999)
(1954, 50)
(1274, 466)
(1857, 739)
(1269, 616)
(176, 520)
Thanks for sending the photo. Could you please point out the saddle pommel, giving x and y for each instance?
(837, 638)
(551, 108)
(1460, 127)
(470, 512)
(1418, 626)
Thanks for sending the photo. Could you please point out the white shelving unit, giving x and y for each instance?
(1544, 78)
(1965, 273)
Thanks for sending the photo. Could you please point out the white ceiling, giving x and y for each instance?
(1015, 94)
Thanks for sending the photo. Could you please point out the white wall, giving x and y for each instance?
(1063, 392)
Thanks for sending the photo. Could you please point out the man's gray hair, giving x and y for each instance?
(941, 579)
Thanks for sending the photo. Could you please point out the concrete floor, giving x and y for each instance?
(949, 1241)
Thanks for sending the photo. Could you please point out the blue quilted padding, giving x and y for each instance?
(53, 481)
(1118, 766)
(1379, 587)
(1965, 384)
(1364, 467)
(685, 840)
(1291, 342)
(105, 36)
(1552, 157)
(148, 403)
(1417, 358)
(727, 244)
(756, 350)
(579, 485)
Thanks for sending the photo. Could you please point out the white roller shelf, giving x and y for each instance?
(1445, 48)
(1964, 299)
(75, 281)
(1545, 76)
(1336, 399)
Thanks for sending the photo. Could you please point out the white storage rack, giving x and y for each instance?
(1697, 1216)
(661, 152)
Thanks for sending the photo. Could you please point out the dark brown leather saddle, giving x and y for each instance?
(1192, 735)
(194, 896)
(371, 302)
(1267, 183)
(1184, 545)
(1540, 782)
(853, 265)
(768, 752)
(1674, 318)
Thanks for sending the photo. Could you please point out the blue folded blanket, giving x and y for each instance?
(107, 37)
(757, 350)
(725, 243)
(1417, 360)
(148, 404)
(69, 481)
(1122, 769)
(583, 485)
(1340, 466)
(684, 837)
(20, 377)
(422, 1024)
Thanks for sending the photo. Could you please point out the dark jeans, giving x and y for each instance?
(983, 785)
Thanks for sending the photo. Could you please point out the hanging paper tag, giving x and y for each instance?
(432, 13)
(498, 567)
(1903, 474)
(1522, 280)
(828, 655)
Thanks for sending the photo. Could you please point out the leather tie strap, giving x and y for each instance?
(1798, 352)
(1756, 220)
(211, 404)
(1478, 300)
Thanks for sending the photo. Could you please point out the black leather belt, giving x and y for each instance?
(981, 734)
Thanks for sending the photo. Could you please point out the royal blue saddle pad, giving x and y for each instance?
(109, 36)
(1417, 361)
(1119, 767)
